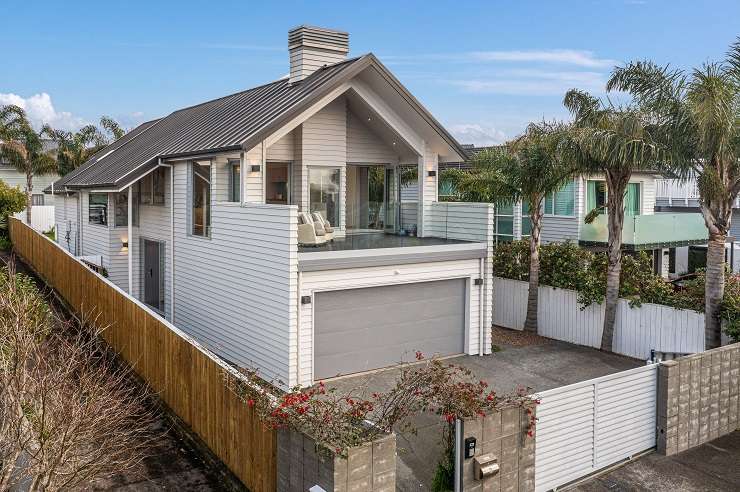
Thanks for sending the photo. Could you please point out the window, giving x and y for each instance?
(235, 182)
(562, 203)
(323, 189)
(98, 208)
(277, 183)
(200, 198)
(120, 209)
(152, 188)
(37, 200)
(526, 221)
(596, 197)
(504, 222)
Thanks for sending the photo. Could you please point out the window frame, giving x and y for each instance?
(235, 184)
(105, 220)
(339, 207)
(134, 211)
(208, 219)
(551, 198)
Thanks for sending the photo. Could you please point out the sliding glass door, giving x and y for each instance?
(323, 190)
(392, 199)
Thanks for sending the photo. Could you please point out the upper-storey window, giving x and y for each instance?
(152, 188)
(596, 197)
(120, 208)
(200, 198)
(563, 202)
(97, 211)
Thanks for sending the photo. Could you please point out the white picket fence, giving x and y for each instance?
(637, 330)
(42, 217)
(590, 425)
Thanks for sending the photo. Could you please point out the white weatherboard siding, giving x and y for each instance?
(235, 292)
(637, 330)
(351, 278)
(282, 150)
(13, 178)
(42, 217)
(469, 222)
(96, 240)
(255, 191)
(66, 219)
(364, 147)
(559, 229)
(427, 187)
(587, 426)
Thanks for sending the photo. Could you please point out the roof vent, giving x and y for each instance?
(311, 48)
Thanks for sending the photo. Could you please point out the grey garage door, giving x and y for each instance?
(361, 329)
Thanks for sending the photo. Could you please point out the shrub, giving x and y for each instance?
(12, 201)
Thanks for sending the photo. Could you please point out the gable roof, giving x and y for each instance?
(225, 124)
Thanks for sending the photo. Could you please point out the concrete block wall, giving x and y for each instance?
(504, 434)
(301, 465)
(698, 398)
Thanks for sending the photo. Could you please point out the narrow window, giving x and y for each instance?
(200, 193)
(235, 181)
(563, 202)
(37, 200)
(323, 187)
(158, 186)
(121, 209)
(98, 208)
(146, 190)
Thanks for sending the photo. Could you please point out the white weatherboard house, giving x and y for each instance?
(197, 215)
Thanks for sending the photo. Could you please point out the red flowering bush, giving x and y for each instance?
(341, 420)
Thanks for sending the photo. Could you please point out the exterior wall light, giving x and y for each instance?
(124, 244)
(432, 173)
(255, 168)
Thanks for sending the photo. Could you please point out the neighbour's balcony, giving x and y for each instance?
(649, 231)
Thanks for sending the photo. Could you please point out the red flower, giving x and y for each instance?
(530, 433)
(250, 403)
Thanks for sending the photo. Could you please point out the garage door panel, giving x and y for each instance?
(361, 329)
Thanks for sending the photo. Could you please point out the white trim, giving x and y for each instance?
(380, 252)
(130, 240)
(172, 242)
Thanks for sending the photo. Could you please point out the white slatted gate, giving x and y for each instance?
(587, 426)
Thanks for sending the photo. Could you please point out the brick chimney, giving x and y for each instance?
(312, 47)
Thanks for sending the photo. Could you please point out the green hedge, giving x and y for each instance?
(567, 266)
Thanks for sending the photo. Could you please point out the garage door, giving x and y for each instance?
(361, 329)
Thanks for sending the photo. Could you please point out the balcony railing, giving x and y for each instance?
(645, 231)
(675, 189)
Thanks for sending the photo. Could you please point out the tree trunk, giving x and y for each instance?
(616, 186)
(714, 289)
(535, 217)
(29, 191)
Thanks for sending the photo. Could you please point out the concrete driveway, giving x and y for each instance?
(541, 364)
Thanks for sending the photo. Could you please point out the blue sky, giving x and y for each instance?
(484, 69)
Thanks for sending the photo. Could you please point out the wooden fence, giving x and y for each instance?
(187, 377)
(636, 331)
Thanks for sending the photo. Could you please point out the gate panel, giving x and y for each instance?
(590, 425)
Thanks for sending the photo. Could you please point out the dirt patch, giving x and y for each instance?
(515, 338)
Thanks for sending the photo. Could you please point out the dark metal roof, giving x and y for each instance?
(225, 124)
(470, 150)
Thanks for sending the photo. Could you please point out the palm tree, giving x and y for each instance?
(74, 148)
(527, 169)
(616, 142)
(23, 147)
(700, 112)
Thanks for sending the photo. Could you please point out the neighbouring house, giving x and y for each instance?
(196, 214)
(42, 211)
(682, 196)
(667, 234)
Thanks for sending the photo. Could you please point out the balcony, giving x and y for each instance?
(660, 230)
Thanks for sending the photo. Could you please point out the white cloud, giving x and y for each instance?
(580, 58)
(532, 83)
(474, 133)
(40, 110)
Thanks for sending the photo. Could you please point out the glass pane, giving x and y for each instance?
(632, 199)
(201, 198)
(596, 195)
(235, 180)
(505, 225)
(505, 209)
(146, 189)
(121, 209)
(391, 200)
(565, 200)
(98, 208)
(548, 204)
(278, 183)
(158, 186)
(323, 190)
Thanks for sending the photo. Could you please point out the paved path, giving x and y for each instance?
(714, 466)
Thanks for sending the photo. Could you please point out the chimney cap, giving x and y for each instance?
(318, 37)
